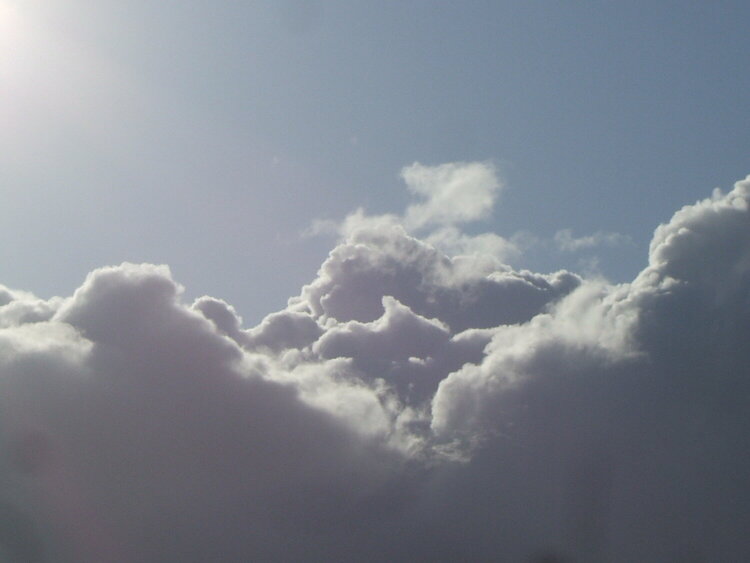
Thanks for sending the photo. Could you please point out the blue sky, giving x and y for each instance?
(209, 135)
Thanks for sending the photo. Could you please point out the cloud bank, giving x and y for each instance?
(418, 400)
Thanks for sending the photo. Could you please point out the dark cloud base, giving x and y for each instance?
(408, 405)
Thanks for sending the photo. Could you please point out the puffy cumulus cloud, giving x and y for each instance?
(410, 404)
(399, 333)
(613, 423)
(151, 422)
(463, 291)
(706, 243)
(278, 331)
(18, 307)
(397, 348)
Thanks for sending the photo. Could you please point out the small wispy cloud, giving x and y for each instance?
(453, 193)
(566, 242)
(449, 196)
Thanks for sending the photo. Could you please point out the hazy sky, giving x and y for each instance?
(207, 135)
(383, 281)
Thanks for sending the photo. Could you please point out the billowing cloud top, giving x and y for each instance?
(417, 401)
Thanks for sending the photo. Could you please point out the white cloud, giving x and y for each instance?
(485, 246)
(454, 193)
(409, 404)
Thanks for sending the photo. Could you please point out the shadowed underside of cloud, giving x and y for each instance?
(414, 402)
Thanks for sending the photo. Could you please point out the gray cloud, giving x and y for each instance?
(409, 404)
(379, 259)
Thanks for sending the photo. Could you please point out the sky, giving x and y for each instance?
(168, 131)
(388, 281)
